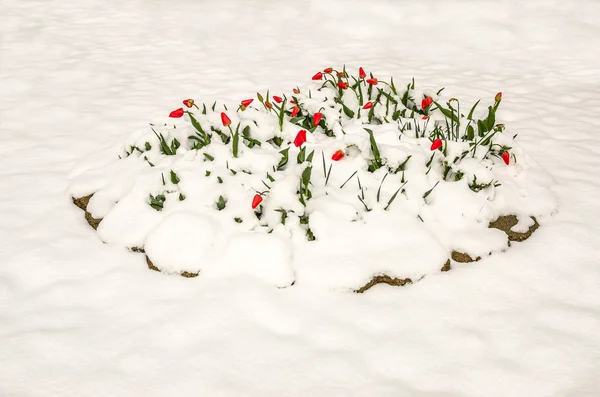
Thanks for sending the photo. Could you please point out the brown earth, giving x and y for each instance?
(82, 202)
(383, 279)
(461, 257)
(184, 273)
(506, 222)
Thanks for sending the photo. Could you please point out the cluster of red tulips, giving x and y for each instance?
(341, 81)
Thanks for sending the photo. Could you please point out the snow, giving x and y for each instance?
(85, 318)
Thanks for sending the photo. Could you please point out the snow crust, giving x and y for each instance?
(84, 318)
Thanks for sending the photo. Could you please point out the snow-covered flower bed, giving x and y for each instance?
(338, 183)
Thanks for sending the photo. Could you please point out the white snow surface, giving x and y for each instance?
(84, 318)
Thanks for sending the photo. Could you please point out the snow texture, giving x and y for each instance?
(84, 318)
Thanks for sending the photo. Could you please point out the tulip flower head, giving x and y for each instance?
(436, 144)
(177, 113)
(256, 200)
(300, 138)
(337, 156)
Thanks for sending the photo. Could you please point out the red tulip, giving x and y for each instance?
(498, 97)
(361, 73)
(337, 156)
(177, 113)
(269, 105)
(318, 76)
(372, 81)
(292, 101)
(317, 118)
(225, 120)
(328, 70)
(506, 158)
(277, 98)
(188, 103)
(296, 91)
(342, 84)
(426, 102)
(368, 105)
(256, 200)
(300, 138)
(341, 74)
(425, 117)
(436, 144)
(295, 111)
(247, 102)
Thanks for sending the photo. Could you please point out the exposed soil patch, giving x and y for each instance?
(506, 222)
(184, 273)
(385, 279)
(461, 257)
(446, 266)
(82, 202)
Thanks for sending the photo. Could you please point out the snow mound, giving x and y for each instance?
(183, 242)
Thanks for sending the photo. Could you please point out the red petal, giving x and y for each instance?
(372, 81)
(361, 73)
(277, 99)
(318, 76)
(189, 103)
(436, 144)
(506, 158)
(300, 138)
(256, 200)
(328, 70)
(295, 111)
(296, 91)
(337, 156)
(368, 105)
(247, 102)
(225, 120)
(426, 102)
(177, 113)
(317, 119)
(269, 105)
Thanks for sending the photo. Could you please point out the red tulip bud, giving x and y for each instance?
(225, 120)
(368, 105)
(292, 101)
(318, 76)
(317, 118)
(342, 84)
(506, 158)
(426, 102)
(256, 200)
(269, 105)
(300, 138)
(498, 97)
(328, 70)
(177, 113)
(361, 73)
(436, 144)
(295, 111)
(372, 81)
(188, 103)
(247, 102)
(337, 156)
(277, 98)
(296, 91)
(425, 117)
(341, 74)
